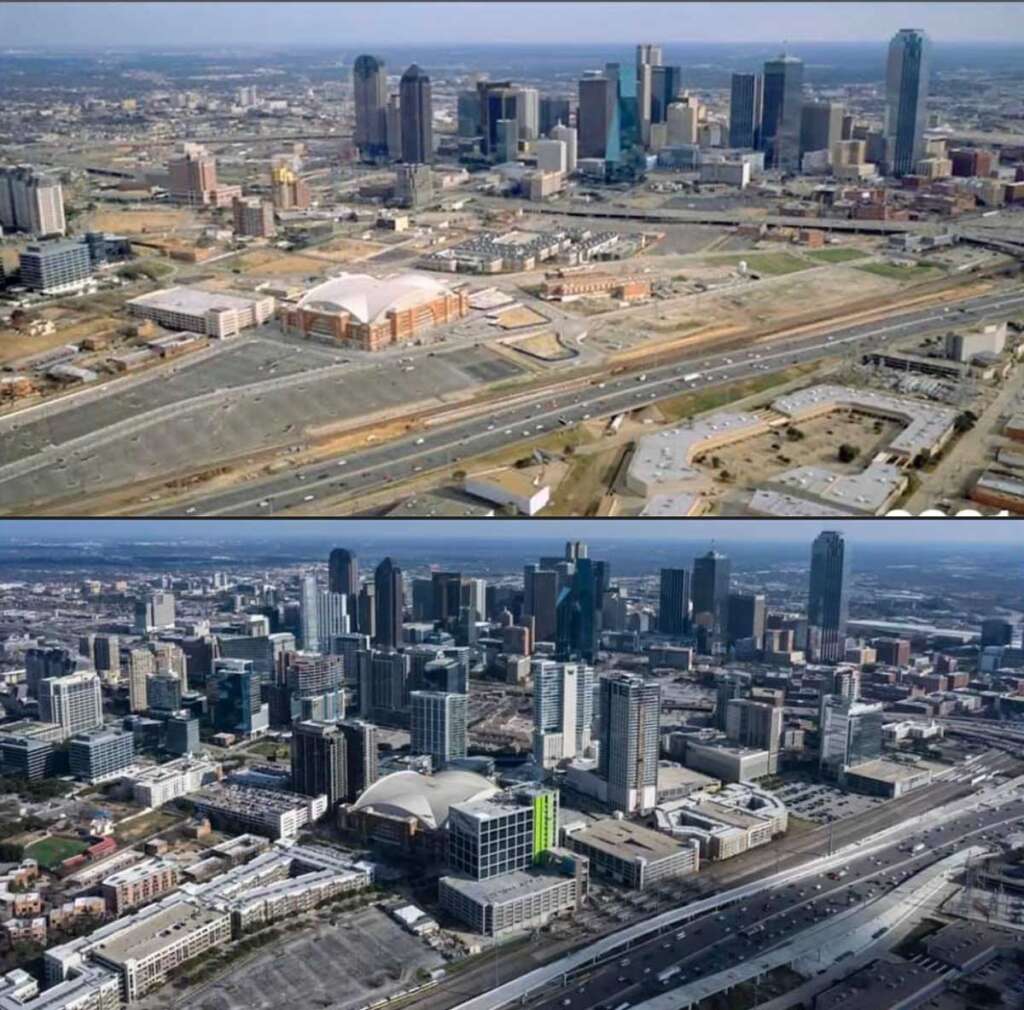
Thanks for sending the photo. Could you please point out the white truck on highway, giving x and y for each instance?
(664, 976)
(691, 377)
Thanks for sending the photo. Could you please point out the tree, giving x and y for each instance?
(965, 422)
(794, 434)
(848, 453)
(921, 459)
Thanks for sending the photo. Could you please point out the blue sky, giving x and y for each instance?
(547, 21)
(878, 531)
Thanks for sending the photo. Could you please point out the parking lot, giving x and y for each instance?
(365, 958)
(821, 803)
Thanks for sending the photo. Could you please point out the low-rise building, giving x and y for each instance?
(159, 784)
(890, 779)
(213, 313)
(139, 884)
(510, 488)
(274, 813)
(631, 854)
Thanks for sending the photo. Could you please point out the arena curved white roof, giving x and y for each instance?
(426, 797)
(369, 299)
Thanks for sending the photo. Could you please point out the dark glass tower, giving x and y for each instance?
(781, 112)
(369, 83)
(906, 93)
(674, 602)
(745, 102)
(827, 599)
(710, 593)
(388, 605)
(417, 117)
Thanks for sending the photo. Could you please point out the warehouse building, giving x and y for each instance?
(213, 313)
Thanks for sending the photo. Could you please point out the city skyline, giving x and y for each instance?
(124, 24)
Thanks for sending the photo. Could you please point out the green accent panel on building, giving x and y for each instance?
(545, 825)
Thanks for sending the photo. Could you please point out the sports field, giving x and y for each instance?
(52, 851)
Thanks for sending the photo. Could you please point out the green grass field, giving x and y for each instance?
(899, 273)
(842, 255)
(51, 852)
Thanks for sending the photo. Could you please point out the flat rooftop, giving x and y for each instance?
(879, 984)
(507, 887)
(766, 502)
(191, 301)
(888, 771)
(149, 934)
(867, 491)
(626, 840)
(683, 504)
(140, 871)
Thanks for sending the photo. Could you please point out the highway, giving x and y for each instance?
(444, 444)
(714, 934)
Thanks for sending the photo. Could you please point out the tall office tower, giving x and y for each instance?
(236, 698)
(389, 604)
(467, 111)
(417, 112)
(43, 662)
(393, 121)
(528, 113)
(362, 766)
(422, 594)
(578, 612)
(630, 712)
(498, 101)
(343, 577)
(568, 136)
(163, 693)
(31, 202)
(99, 754)
(827, 598)
(709, 589)
(73, 702)
(369, 83)
(540, 600)
(850, 733)
(319, 762)
(447, 593)
(474, 594)
(315, 685)
(253, 217)
(504, 833)
(563, 710)
(310, 613)
(438, 726)
(683, 121)
(384, 686)
(781, 112)
(597, 116)
(906, 99)
(674, 602)
(552, 112)
(139, 666)
(154, 612)
(193, 175)
(745, 617)
(666, 85)
(821, 126)
(745, 109)
(106, 656)
(755, 724)
(647, 58)
(731, 686)
(57, 267)
(367, 609)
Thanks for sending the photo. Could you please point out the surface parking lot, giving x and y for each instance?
(364, 959)
(821, 803)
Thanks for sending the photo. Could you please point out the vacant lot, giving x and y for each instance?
(843, 255)
(151, 823)
(911, 272)
(137, 222)
(267, 263)
(769, 264)
(51, 852)
(348, 250)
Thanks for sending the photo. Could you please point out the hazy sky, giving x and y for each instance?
(548, 21)
(871, 531)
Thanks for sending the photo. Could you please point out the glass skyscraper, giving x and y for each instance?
(827, 598)
(906, 94)
(781, 113)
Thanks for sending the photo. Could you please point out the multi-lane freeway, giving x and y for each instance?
(714, 934)
(444, 444)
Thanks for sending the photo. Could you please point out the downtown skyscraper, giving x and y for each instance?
(827, 598)
(906, 99)
(417, 117)
(630, 708)
(781, 113)
(745, 105)
(369, 84)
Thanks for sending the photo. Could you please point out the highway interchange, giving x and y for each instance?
(444, 444)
